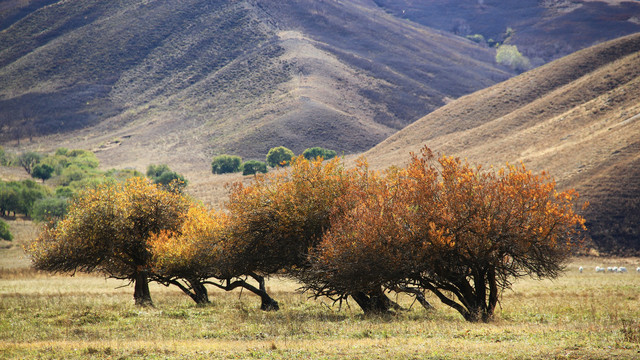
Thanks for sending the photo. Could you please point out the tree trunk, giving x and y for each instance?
(374, 302)
(200, 294)
(141, 294)
(268, 304)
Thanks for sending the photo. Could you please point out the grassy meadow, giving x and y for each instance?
(578, 316)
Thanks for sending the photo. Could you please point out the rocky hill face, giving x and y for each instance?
(200, 77)
(577, 117)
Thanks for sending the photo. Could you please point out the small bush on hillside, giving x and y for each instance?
(224, 164)
(509, 55)
(477, 38)
(254, 166)
(162, 175)
(315, 152)
(279, 156)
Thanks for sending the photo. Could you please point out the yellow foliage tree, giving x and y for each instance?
(107, 230)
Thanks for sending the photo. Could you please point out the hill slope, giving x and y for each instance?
(198, 77)
(542, 30)
(577, 117)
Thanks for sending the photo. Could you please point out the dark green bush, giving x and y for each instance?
(254, 166)
(162, 174)
(279, 156)
(42, 172)
(223, 164)
(315, 152)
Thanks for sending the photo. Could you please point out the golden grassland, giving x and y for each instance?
(578, 316)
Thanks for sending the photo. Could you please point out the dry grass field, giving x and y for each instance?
(578, 316)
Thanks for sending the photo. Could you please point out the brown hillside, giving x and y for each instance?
(542, 30)
(577, 117)
(180, 81)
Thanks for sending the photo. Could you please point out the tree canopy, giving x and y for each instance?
(279, 156)
(107, 230)
(449, 228)
(223, 164)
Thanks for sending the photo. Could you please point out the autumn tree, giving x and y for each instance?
(276, 219)
(450, 228)
(107, 230)
(197, 254)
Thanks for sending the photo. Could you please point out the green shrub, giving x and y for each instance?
(315, 152)
(279, 156)
(4, 157)
(223, 164)
(83, 159)
(50, 208)
(4, 231)
(509, 55)
(70, 174)
(162, 174)
(254, 166)
(42, 171)
(477, 38)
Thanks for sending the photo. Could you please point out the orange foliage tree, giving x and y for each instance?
(107, 230)
(197, 254)
(450, 228)
(276, 219)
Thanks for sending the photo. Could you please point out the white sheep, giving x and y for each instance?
(622, 269)
(609, 269)
(599, 269)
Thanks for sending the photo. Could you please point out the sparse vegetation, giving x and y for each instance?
(223, 164)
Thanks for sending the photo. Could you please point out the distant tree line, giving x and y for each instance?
(279, 156)
(438, 225)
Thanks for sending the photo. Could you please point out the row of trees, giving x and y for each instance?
(276, 157)
(438, 225)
